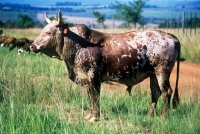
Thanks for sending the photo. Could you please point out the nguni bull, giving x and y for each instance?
(92, 57)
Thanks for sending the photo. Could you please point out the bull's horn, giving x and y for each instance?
(47, 19)
(59, 18)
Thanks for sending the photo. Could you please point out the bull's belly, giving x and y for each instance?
(127, 81)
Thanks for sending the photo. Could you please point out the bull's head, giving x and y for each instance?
(50, 38)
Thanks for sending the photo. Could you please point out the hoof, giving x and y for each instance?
(87, 117)
(90, 118)
(93, 119)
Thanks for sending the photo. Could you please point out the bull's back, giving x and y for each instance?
(133, 55)
(161, 47)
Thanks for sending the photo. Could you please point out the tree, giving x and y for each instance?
(25, 21)
(1, 23)
(100, 18)
(130, 13)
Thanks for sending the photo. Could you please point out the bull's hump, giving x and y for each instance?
(91, 36)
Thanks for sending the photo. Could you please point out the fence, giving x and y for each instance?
(177, 21)
(184, 21)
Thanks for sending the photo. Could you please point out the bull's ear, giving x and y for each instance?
(65, 28)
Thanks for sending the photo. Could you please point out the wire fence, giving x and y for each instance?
(181, 22)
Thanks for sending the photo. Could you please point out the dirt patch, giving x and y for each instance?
(189, 81)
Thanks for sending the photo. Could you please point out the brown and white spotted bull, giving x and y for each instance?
(92, 57)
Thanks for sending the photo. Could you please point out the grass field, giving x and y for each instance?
(39, 98)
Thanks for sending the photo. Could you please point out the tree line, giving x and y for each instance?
(131, 13)
(24, 21)
(177, 22)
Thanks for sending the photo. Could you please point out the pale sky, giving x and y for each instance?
(53, 2)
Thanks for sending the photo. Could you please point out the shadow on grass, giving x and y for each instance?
(124, 108)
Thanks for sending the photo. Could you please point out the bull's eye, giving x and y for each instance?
(48, 33)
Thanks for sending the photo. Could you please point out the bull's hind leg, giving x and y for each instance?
(163, 82)
(155, 93)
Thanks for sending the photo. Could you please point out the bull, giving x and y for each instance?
(2, 39)
(1, 32)
(25, 47)
(23, 44)
(8, 41)
(92, 57)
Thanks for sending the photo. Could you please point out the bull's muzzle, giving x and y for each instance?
(34, 48)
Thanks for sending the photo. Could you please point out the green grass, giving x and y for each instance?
(39, 98)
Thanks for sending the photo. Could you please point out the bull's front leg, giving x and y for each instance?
(94, 96)
(93, 92)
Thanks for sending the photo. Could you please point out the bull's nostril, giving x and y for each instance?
(32, 47)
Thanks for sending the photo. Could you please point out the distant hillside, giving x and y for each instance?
(175, 4)
(190, 4)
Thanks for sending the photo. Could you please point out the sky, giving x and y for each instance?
(53, 2)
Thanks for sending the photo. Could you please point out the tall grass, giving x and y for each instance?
(39, 98)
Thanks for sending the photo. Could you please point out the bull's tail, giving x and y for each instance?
(175, 100)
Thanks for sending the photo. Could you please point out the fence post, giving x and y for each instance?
(142, 23)
(183, 18)
(74, 21)
(186, 22)
(174, 21)
(178, 22)
(170, 22)
(167, 23)
(113, 25)
(195, 24)
(92, 25)
(190, 23)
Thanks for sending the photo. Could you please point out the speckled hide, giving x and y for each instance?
(92, 57)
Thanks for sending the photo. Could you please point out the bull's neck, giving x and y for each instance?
(69, 50)
(73, 41)
(59, 46)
